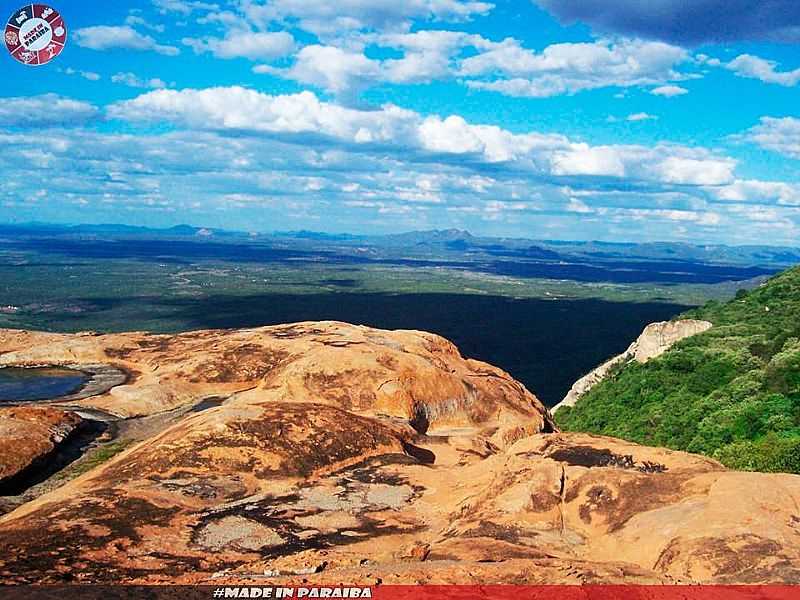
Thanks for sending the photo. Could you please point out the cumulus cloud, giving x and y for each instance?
(255, 45)
(427, 56)
(755, 191)
(682, 22)
(506, 67)
(570, 68)
(329, 68)
(781, 135)
(47, 110)
(669, 91)
(106, 37)
(754, 67)
(700, 217)
(696, 170)
(405, 131)
(581, 159)
(575, 205)
(237, 108)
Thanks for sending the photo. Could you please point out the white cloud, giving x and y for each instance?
(754, 67)
(582, 159)
(571, 68)
(700, 217)
(428, 55)
(641, 116)
(90, 75)
(326, 18)
(504, 67)
(245, 44)
(330, 68)
(705, 59)
(696, 170)
(576, 205)
(134, 20)
(48, 110)
(759, 192)
(781, 135)
(405, 131)
(248, 110)
(454, 135)
(133, 80)
(105, 37)
(184, 7)
(274, 180)
(669, 91)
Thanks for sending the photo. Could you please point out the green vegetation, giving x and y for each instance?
(95, 458)
(732, 393)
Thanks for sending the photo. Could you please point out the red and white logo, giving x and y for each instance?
(35, 34)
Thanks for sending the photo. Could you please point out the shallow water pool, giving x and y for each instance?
(25, 385)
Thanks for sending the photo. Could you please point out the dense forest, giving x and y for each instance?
(732, 393)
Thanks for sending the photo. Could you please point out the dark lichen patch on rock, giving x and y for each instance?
(505, 533)
(543, 501)
(123, 515)
(599, 499)
(374, 469)
(295, 331)
(247, 362)
(616, 501)
(589, 456)
(314, 517)
(108, 524)
(334, 388)
(283, 440)
(743, 558)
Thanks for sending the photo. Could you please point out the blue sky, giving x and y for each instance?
(568, 119)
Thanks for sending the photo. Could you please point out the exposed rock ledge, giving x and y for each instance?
(350, 454)
(28, 435)
(656, 339)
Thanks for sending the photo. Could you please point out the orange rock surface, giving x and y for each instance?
(348, 454)
(29, 434)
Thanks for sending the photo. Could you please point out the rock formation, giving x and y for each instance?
(348, 454)
(28, 435)
(413, 376)
(656, 339)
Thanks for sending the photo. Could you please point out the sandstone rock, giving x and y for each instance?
(656, 339)
(413, 376)
(429, 481)
(28, 435)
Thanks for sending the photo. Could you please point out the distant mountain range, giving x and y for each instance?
(446, 243)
